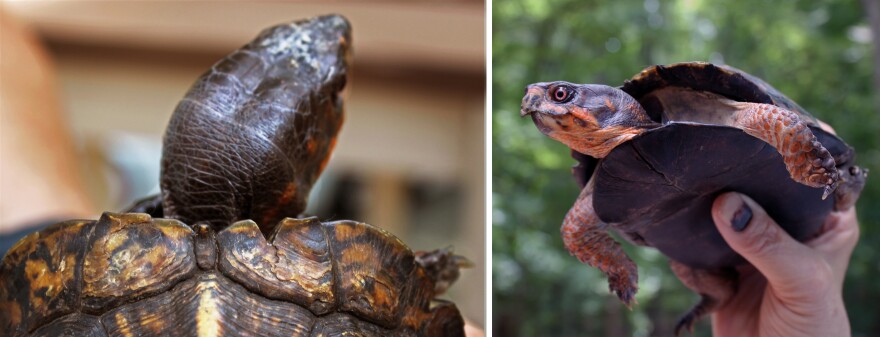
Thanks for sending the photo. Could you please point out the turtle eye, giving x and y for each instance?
(560, 94)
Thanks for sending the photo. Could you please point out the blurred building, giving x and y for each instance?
(411, 154)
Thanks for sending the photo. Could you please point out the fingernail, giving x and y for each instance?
(741, 218)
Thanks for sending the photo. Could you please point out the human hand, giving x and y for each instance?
(790, 288)
(471, 330)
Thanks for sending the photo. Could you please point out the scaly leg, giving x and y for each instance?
(808, 162)
(586, 238)
(714, 286)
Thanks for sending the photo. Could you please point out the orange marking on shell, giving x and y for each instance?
(346, 233)
(358, 253)
(40, 277)
(12, 311)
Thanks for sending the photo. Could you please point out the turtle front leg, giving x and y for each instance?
(807, 161)
(714, 286)
(586, 238)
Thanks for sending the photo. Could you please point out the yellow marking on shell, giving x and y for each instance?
(208, 316)
(310, 277)
(345, 233)
(124, 326)
(116, 240)
(244, 227)
(173, 229)
(362, 253)
(119, 264)
(41, 278)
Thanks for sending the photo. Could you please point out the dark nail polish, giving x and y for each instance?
(741, 218)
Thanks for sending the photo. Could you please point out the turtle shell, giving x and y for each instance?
(658, 188)
(132, 275)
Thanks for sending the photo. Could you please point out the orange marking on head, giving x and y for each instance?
(609, 104)
(586, 116)
(326, 159)
(597, 142)
(289, 193)
(311, 145)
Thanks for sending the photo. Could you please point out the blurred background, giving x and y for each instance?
(820, 53)
(410, 157)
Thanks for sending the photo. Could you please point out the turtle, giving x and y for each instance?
(654, 153)
(221, 251)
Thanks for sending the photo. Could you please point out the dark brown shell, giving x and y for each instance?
(719, 79)
(131, 275)
(658, 188)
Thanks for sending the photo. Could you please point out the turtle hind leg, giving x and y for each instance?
(852, 180)
(586, 238)
(714, 286)
(807, 161)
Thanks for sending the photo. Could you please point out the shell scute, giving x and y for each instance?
(132, 255)
(374, 270)
(294, 267)
(46, 276)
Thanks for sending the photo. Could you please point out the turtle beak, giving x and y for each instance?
(531, 100)
(463, 262)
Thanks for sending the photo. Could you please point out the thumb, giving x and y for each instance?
(748, 229)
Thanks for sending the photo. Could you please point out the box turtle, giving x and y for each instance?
(219, 253)
(654, 153)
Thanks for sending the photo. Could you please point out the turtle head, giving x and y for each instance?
(255, 132)
(589, 118)
(442, 266)
(315, 52)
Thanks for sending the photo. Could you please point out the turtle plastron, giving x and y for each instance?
(586, 237)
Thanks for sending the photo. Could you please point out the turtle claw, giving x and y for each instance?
(624, 285)
(687, 323)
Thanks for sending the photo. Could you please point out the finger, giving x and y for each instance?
(836, 241)
(826, 127)
(472, 331)
(747, 228)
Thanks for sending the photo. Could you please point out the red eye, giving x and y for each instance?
(560, 94)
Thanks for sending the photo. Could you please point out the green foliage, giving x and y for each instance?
(810, 50)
